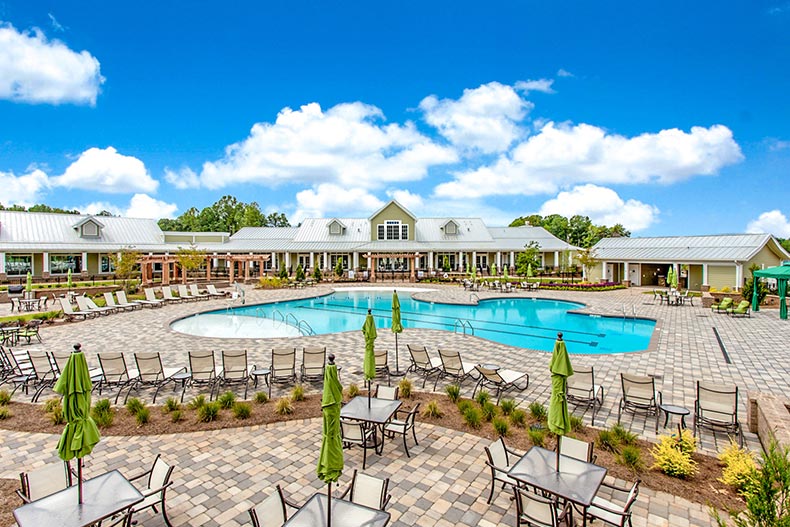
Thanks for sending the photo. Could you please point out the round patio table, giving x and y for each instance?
(671, 409)
(260, 372)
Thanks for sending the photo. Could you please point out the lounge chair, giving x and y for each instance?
(743, 309)
(16, 371)
(367, 490)
(86, 304)
(500, 460)
(60, 358)
(167, 295)
(44, 373)
(716, 408)
(213, 291)
(500, 379)
(114, 373)
(203, 372)
(150, 372)
(403, 425)
(30, 330)
(197, 293)
(610, 512)
(536, 510)
(382, 368)
(639, 396)
(313, 361)
(44, 481)
(150, 298)
(69, 312)
(454, 367)
(356, 433)
(183, 292)
(721, 307)
(157, 481)
(283, 367)
(234, 370)
(142, 303)
(583, 390)
(109, 300)
(272, 511)
(422, 363)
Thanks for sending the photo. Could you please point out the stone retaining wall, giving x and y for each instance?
(769, 415)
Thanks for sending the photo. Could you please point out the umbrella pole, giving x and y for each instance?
(79, 480)
(329, 505)
(368, 394)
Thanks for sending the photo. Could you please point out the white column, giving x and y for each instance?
(2, 262)
(355, 260)
(84, 262)
(370, 261)
(704, 274)
(312, 260)
(738, 276)
(326, 261)
(543, 259)
(430, 260)
(474, 260)
(626, 272)
(287, 260)
(604, 268)
(498, 260)
(556, 258)
(45, 259)
(460, 263)
(512, 261)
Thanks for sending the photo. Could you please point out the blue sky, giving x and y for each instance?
(667, 117)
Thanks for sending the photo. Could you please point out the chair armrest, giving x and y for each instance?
(567, 512)
(24, 498)
(138, 476)
(618, 512)
(514, 452)
(386, 501)
(616, 488)
(660, 397)
(157, 490)
(345, 492)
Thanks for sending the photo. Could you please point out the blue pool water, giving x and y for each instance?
(521, 322)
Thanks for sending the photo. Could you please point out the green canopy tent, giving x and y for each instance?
(369, 363)
(397, 327)
(81, 434)
(559, 419)
(330, 460)
(781, 274)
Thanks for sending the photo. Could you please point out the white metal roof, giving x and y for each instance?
(505, 236)
(470, 230)
(722, 247)
(265, 233)
(317, 230)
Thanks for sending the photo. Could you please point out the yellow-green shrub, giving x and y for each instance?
(740, 468)
(671, 459)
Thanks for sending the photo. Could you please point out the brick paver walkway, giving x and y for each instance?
(222, 473)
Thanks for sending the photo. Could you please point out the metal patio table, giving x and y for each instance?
(379, 413)
(344, 514)
(576, 481)
(103, 497)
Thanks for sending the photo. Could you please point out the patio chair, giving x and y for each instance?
(743, 309)
(610, 512)
(368, 490)
(44, 481)
(17, 371)
(660, 295)
(389, 393)
(403, 426)
(356, 433)
(150, 297)
(148, 302)
(313, 362)
(234, 370)
(213, 291)
(687, 297)
(86, 304)
(109, 300)
(44, 373)
(202, 371)
(114, 373)
(272, 511)
(283, 367)
(167, 295)
(157, 481)
(500, 379)
(382, 368)
(30, 330)
(500, 460)
(583, 390)
(151, 373)
(422, 363)
(721, 307)
(716, 408)
(454, 367)
(183, 293)
(197, 293)
(535, 510)
(69, 312)
(60, 358)
(575, 448)
(639, 396)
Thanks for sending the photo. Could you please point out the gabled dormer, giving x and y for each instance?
(90, 227)
(336, 227)
(392, 222)
(450, 228)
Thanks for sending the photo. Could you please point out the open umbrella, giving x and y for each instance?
(397, 327)
(559, 420)
(81, 434)
(369, 364)
(330, 461)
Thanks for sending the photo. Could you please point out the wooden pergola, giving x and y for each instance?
(173, 271)
(409, 257)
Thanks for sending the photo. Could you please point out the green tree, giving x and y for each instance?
(446, 264)
(190, 258)
(785, 243)
(283, 274)
(339, 267)
(300, 273)
(578, 230)
(530, 255)
(748, 288)
(317, 273)
(534, 220)
(276, 219)
(126, 265)
(587, 259)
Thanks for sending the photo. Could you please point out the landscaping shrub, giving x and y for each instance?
(537, 437)
(198, 402)
(208, 412)
(453, 392)
(242, 410)
(143, 415)
(271, 282)
(5, 397)
(405, 388)
(482, 397)
(171, 405)
(740, 467)
(51, 404)
(489, 411)
(5, 413)
(607, 440)
(297, 393)
(577, 424)
(463, 405)
(432, 410)
(134, 405)
(538, 411)
(687, 442)
(352, 390)
(103, 413)
(227, 399)
(472, 417)
(501, 426)
(623, 436)
(261, 397)
(671, 459)
(176, 416)
(631, 457)
(284, 406)
(507, 406)
(518, 418)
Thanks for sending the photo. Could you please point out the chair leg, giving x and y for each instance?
(414, 434)
(164, 513)
(491, 494)
(405, 446)
(619, 412)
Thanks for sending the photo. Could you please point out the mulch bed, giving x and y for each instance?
(703, 488)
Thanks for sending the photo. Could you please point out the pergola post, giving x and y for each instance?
(166, 273)
(208, 268)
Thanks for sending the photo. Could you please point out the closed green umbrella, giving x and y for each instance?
(782, 286)
(81, 434)
(69, 283)
(369, 364)
(29, 284)
(670, 276)
(330, 461)
(559, 420)
(396, 327)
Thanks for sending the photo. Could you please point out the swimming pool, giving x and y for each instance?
(521, 322)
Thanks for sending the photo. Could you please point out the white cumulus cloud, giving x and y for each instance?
(346, 145)
(105, 170)
(140, 206)
(407, 198)
(563, 155)
(34, 69)
(771, 222)
(183, 178)
(604, 207)
(331, 200)
(25, 190)
(484, 118)
(541, 85)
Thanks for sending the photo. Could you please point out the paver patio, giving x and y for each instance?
(222, 473)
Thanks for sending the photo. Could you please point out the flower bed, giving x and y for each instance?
(602, 286)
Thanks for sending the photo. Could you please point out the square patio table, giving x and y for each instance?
(344, 514)
(103, 497)
(576, 481)
(379, 413)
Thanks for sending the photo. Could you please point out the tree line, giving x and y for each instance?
(226, 215)
(578, 230)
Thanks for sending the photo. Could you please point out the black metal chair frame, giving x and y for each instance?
(282, 375)
(368, 435)
(496, 471)
(145, 378)
(306, 375)
(625, 513)
(121, 380)
(591, 400)
(212, 381)
(729, 427)
(424, 369)
(283, 501)
(237, 377)
(639, 405)
(44, 373)
(384, 498)
(151, 492)
(382, 369)
(408, 423)
(456, 373)
(563, 517)
(499, 385)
